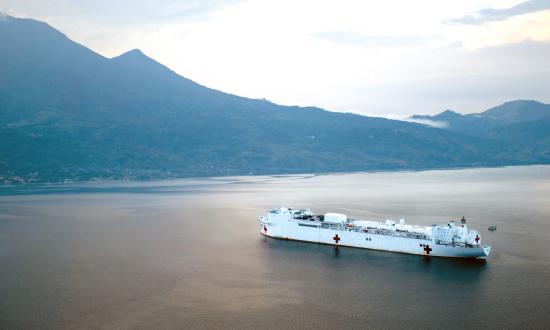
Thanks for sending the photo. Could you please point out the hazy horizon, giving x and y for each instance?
(385, 59)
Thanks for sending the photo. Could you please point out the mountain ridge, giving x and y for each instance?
(68, 113)
(518, 111)
(479, 124)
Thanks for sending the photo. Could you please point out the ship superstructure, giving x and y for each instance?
(447, 240)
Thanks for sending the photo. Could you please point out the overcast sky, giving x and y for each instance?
(388, 57)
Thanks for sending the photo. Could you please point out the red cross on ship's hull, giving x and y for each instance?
(427, 249)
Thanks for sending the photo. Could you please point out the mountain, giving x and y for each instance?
(533, 135)
(473, 125)
(484, 124)
(67, 113)
(517, 111)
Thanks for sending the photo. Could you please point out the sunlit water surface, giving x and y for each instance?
(187, 253)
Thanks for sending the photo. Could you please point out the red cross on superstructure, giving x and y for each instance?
(477, 238)
(336, 238)
(265, 230)
(428, 249)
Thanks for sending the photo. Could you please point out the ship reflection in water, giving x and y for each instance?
(366, 259)
(188, 254)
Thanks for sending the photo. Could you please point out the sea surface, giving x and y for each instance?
(188, 254)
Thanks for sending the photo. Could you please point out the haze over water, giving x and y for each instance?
(188, 253)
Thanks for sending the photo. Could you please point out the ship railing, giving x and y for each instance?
(460, 244)
(386, 232)
(376, 231)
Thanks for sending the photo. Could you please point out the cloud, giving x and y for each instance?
(427, 122)
(195, 8)
(348, 37)
(491, 14)
(422, 121)
(117, 13)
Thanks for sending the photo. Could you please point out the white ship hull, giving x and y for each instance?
(315, 232)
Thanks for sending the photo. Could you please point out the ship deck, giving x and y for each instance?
(317, 221)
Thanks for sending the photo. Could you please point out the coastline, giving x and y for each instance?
(228, 179)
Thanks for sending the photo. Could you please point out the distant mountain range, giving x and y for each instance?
(518, 122)
(67, 113)
(479, 124)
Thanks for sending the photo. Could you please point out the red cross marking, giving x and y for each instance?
(336, 238)
(477, 238)
(428, 249)
(265, 229)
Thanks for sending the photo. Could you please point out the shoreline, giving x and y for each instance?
(128, 183)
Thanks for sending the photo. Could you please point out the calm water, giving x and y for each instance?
(187, 253)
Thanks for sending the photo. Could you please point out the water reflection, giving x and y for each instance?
(188, 254)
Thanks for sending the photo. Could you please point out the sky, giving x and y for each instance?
(389, 58)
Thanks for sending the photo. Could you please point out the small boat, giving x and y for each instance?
(492, 228)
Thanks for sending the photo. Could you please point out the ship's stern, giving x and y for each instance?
(263, 224)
